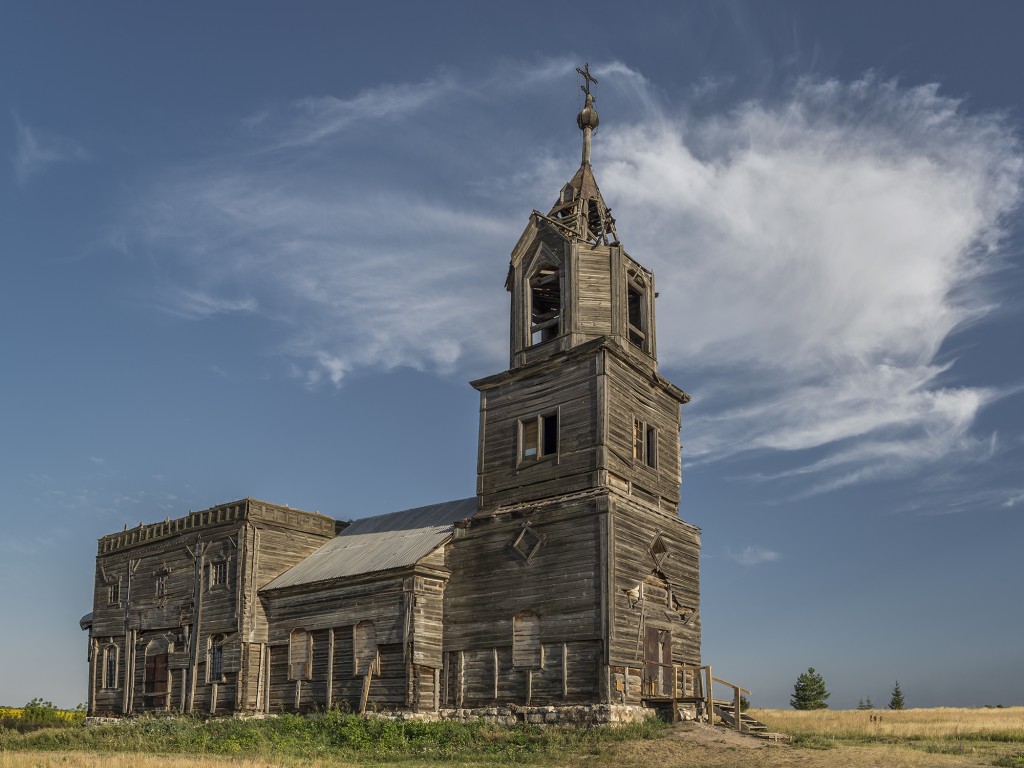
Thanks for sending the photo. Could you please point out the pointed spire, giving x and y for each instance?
(580, 211)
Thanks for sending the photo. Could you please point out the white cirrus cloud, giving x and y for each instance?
(753, 555)
(35, 150)
(813, 253)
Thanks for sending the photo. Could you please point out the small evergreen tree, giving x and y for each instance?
(868, 704)
(896, 702)
(861, 704)
(809, 691)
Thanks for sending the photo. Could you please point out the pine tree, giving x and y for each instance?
(896, 702)
(868, 704)
(809, 691)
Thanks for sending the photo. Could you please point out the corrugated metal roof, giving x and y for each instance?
(379, 543)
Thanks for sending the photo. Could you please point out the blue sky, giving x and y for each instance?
(251, 249)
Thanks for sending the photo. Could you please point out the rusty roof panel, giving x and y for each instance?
(380, 543)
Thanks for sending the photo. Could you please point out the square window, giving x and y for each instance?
(538, 437)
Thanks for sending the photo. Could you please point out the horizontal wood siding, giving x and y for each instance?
(593, 269)
(491, 583)
(631, 395)
(570, 391)
(671, 590)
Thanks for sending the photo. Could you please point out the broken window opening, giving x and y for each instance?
(526, 653)
(538, 437)
(645, 443)
(114, 592)
(215, 659)
(545, 304)
(595, 221)
(636, 315)
(161, 586)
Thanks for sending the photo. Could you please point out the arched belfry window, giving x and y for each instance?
(544, 289)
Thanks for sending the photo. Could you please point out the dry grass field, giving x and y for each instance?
(914, 738)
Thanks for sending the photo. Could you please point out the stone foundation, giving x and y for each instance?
(512, 714)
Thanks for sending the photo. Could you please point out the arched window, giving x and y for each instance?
(109, 670)
(156, 671)
(545, 289)
(215, 659)
(526, 640)
(300, 655)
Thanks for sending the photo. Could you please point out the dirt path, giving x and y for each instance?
(695, 745)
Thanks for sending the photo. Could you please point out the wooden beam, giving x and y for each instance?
(329, 697)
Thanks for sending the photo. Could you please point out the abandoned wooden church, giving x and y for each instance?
(566, 588)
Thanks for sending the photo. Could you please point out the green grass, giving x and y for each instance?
(332, 735)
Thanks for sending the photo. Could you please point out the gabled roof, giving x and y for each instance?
(380, 543)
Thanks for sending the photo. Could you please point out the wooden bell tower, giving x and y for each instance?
(582, 404)
(575, 581)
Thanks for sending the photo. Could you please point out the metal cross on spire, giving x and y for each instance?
(587, 79)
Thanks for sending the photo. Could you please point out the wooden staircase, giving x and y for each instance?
(726, 710)
(695, 687)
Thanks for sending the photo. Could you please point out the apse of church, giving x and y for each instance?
(567, 581)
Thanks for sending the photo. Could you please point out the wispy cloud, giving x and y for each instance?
(35, 150)
(754, 555)
(813, 253)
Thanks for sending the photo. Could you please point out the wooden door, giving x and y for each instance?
(657, 662)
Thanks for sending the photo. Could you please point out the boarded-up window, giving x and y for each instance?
(300, 655)
(364, 649)
(110, 666)
(526, 640)
(215, 659)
